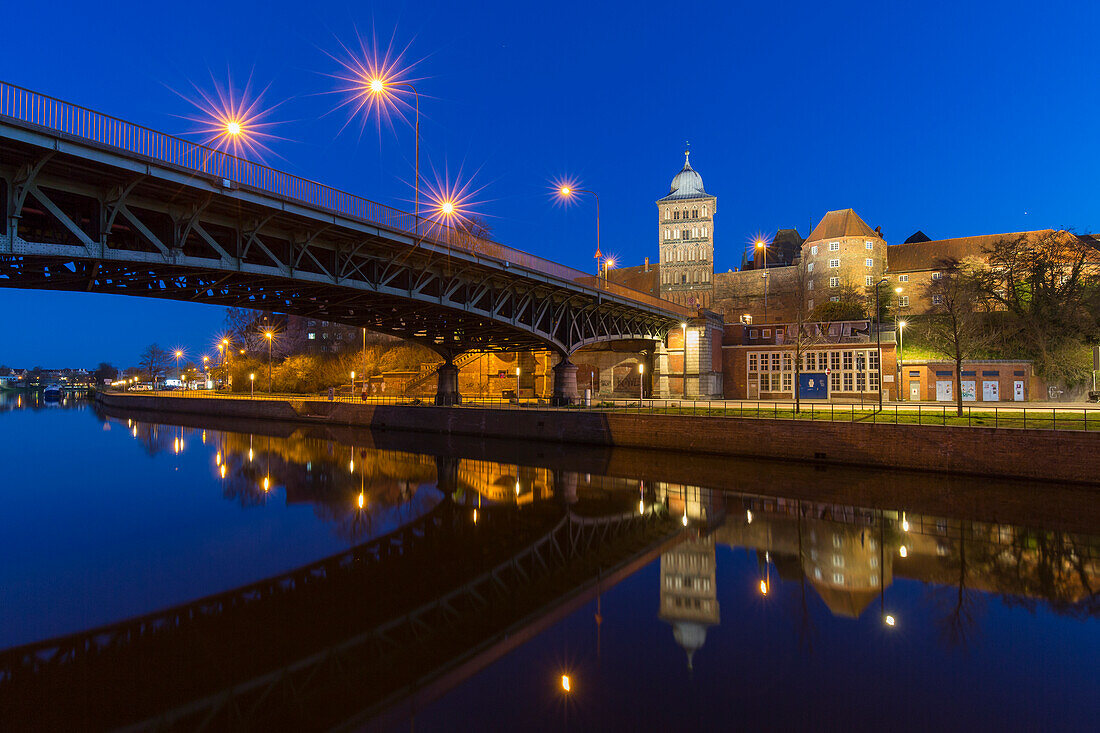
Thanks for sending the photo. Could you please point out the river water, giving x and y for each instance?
(727, 594)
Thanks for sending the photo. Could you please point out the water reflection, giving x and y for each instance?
(453, 556)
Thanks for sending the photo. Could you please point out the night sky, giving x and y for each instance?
(953, 118)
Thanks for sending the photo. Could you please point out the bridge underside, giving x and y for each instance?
(80, 216)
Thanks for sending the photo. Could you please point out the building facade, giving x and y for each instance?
(685, 237)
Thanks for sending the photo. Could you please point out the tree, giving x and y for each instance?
(1047, 284)
(154, 361)
(245, 328)
(104, 371)
(850, 305)
(957, 326)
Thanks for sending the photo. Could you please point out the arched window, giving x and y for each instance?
(704, 231)
(704, 210)
(668, 214)
(684, 234)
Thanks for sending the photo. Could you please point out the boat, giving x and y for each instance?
(52, 393)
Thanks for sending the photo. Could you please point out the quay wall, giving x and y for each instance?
(1050, 455)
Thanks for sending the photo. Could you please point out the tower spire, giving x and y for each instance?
(687, 152)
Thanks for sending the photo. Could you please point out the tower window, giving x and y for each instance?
(676, 215)
(695, 213)
(834, 263)
(834, 282)
(683, 279)
(834, 246)
(684, 234)
(668, 214)
(869, 262)
(869, 244)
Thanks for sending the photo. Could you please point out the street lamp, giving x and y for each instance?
(641, 382)
(567, 192)
(380, 87)
(684, 370)
(901, 353)
(252, 383)
(878, 341)
(763, 247)
(268, 335)
(353, 385)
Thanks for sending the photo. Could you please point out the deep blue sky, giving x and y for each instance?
(954, 118)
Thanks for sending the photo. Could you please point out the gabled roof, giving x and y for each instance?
(924, 255)
(918, 236)
(842, 223)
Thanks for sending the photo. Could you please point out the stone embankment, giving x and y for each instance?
(1050, 455)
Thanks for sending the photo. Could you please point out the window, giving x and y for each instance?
(869, 244)
(810, 267)
(834, 282)
(704, 210)
(786, 386)
(809, 284)
(869, 262)
(810, 304)
(683, 279)
(668, 215)
(752, 362)
(676, 215)
(311, 336)
(869, 281)
(834, 263)
(838, 578)
(937, 275)
(838, 560)
(704, 231)
(684, 234)
(903, 301)
(847, 381)
(834, 299)
(834, 246)
(903, 278)
(813, 250)
(766, 332)
(695, 213)
(937, 299)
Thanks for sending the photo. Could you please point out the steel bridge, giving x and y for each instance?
(93, 203)
(344, 638)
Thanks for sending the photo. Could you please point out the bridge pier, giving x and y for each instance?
(565, 487)
(565, 383)
(446, 392)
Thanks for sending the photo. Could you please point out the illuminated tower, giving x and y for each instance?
(685, 226)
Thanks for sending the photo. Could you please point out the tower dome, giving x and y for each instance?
(687, 183)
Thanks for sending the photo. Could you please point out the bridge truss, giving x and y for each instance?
(92, 203)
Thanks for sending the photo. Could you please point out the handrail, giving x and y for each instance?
(54, 114)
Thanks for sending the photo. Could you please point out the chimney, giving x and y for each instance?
(647, 264)
(878, 231)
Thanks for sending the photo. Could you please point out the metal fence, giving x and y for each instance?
(1050, 417)
(230, 171)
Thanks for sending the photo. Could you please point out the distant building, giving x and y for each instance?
(689, 593)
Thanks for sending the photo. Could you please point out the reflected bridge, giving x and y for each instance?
(340, 639)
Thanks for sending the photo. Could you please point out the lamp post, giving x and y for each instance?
(641, 383)
(205, 368)
(379, 86)
(684, 370)
(567, 192)
(878, 341)
(252, 384)
(901, 353)
(268, 335)
(763, 247)
(353, 385)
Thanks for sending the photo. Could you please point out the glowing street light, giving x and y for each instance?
(233, 127)
(763, 247)
(381, 87)
(641, 382)
(252, 383)
(566, 191)
(269, 335)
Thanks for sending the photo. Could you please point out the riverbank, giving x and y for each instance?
(1049, 455)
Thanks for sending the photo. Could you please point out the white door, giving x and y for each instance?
(914, 391)
(943, 390)
(754, 390)
(990, 391)
(1018, 390)
(970, 391)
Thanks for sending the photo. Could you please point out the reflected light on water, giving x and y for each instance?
(763, 587)
(566, 683)
(903, 551)
(890, 620)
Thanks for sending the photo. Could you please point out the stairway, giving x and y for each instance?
(460, 361)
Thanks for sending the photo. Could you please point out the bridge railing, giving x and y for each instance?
(231, 171)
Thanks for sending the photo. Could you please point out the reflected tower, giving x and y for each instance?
(689, 593)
